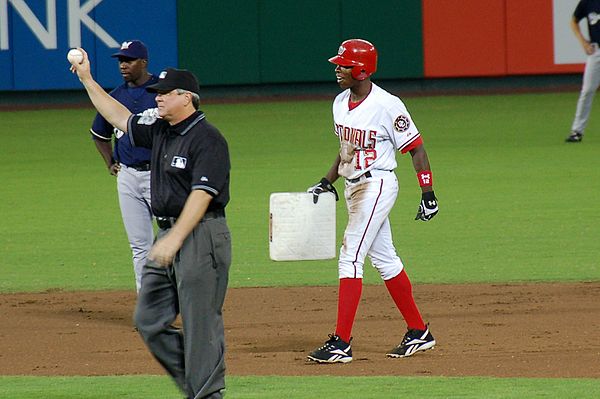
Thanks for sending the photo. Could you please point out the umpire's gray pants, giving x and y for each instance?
(195, 286)
(591, 82)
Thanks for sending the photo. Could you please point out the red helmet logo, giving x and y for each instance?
(359, 54)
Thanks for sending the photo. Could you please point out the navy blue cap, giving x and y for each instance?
(132, 49)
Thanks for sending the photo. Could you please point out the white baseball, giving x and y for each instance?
(75, 56)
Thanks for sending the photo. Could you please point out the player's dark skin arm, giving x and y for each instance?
(332, 175)
(113, 111)
(421, 162)
(105, 150)
(587, 46)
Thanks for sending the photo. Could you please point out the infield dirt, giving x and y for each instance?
(504, 330)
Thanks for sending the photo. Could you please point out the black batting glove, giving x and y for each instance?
(428, 207)
(321, 187)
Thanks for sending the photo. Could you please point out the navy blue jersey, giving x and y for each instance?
(137, 100)
(589, 9)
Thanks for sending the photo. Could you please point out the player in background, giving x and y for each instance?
(131, 165)
(372, 125)
(589, 9)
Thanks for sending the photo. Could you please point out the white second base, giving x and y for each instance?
(300, 229)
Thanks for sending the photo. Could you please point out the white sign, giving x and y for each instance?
(567, 49)
(77, 15)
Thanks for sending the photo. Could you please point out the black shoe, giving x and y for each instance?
(413, 342)
(574, 137)
(334, 351)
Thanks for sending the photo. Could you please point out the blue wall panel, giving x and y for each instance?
(6, 64)
(34, 65)
(31, 64)
(155, 25)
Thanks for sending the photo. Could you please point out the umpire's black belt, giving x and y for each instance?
(168, 222)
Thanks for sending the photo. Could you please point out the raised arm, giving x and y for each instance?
(112, 110)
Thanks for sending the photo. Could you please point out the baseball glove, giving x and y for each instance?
(321, 187)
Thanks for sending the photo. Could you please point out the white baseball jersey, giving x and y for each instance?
(372, 132)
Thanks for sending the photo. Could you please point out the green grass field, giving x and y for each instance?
(143, 387)
(517, 204)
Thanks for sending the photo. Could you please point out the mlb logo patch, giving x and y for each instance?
(118, 133)
(179, 162)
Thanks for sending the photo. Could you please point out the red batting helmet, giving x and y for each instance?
(359, 54)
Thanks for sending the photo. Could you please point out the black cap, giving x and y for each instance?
(133, 49)
(171, 79)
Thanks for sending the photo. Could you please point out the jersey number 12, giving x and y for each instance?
(370, 154)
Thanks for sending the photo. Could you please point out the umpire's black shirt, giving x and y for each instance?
(191, 155)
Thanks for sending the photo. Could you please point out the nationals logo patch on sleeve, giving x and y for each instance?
(402, 123)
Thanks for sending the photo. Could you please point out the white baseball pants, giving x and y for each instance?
(369, 202)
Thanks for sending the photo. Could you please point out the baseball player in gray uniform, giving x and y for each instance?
(131, 165)
(589, 9)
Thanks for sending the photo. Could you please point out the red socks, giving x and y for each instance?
(348, 300)
(400, 289)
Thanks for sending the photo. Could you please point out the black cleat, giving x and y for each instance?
(413, 342)
(334, 351)
(574, 137)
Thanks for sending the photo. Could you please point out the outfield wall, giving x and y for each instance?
(235, 42)
(275, 41)
(35, 36)
(499, 38)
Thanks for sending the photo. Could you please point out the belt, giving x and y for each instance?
(140, 167)
(168, 222)
(366, 175)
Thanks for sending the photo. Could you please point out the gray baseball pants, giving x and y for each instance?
(134, 200)
(194, 286)
(591, 82)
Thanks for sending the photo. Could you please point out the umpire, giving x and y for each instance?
(188, 267)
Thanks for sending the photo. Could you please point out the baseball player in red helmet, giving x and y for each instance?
(372, 125)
